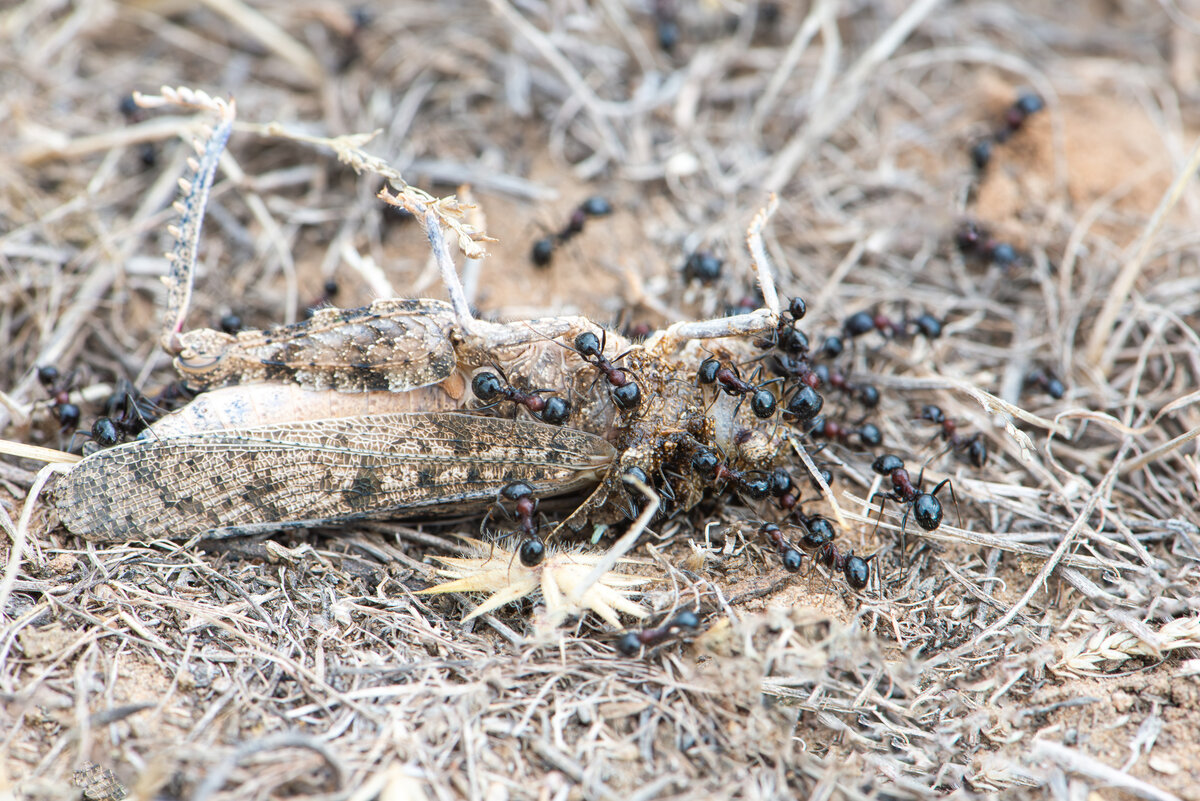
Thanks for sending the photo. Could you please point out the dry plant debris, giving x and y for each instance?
(1043, 644)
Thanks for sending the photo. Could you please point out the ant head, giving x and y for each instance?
(516, 490)
(797, 308)
(929, 326)
(486, 386)
(781, 482)
(684, 619)
(817, 532)
(705, 462)
(589, 345)
(756, 489)
(47, 375)
(707, 374)
(887, 464)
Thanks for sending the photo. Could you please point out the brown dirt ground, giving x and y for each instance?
(312, 670)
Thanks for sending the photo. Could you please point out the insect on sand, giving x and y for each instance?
(366, 413)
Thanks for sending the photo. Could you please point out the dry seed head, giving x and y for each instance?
(499, 572)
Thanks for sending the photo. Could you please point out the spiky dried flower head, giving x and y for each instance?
(560, 578)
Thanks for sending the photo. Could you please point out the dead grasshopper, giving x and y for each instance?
(365, 413)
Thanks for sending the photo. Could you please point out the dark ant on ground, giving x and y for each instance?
(973, 448)
(543, 249)
(631, 642)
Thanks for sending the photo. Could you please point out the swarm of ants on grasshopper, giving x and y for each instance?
(556, 407)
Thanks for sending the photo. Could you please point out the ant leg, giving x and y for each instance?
(882, 504)
(944, 483)
(904, 530)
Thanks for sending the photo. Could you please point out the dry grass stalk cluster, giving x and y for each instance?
(1044, 643)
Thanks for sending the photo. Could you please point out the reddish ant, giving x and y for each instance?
(631, 642)
(59, 389)
(1046, 381)
(924, 506)
(532, 550)
(625, 393)
(792, 558)
(491, 389)
(975, 448)
(762, 400)
(543, 249)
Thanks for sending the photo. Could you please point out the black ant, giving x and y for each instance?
(762, 400)
(792, 557)
(924, 506)
(543, 249)
(868, 433)
(974, 447)
(702, 266)
(974, 240)
(866, 394)
(532, 551)
(1026, 105)
(786, 336)
(1046, 381)
(631, 642)
(856, 569)
(625, 393)
(490, 388)
(864, 322)
(805, 404)
(59, 389)
(706, 463)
